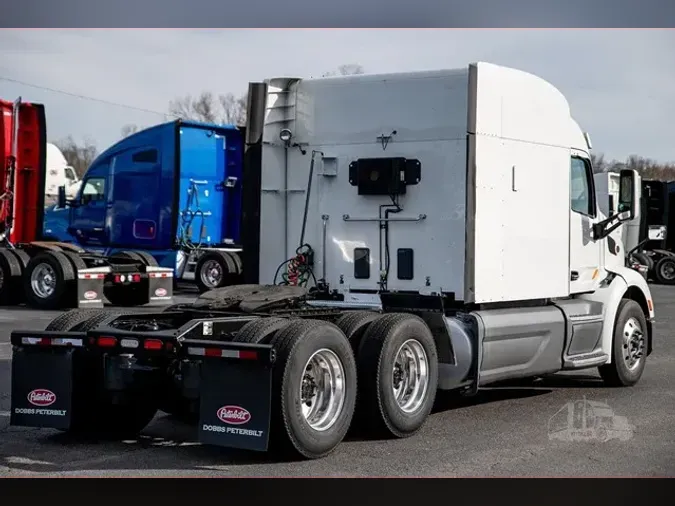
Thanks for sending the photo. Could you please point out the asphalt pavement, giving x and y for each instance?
(513, 430)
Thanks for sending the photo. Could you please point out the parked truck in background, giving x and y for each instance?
(419, 231)
(59, 174)
(646, 235)
(172, 191)
(49, 274)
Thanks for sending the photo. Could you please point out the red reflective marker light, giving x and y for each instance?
(152, 344)
(212, 352)
(107, 342)
(136, 278)
(45, 341)
(248, 355)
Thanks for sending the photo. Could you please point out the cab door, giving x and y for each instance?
(584, 250)
(88, 213)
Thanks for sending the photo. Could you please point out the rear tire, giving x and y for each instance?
(10, 279)
(628, 347)
(295, 428)
(260, 330)
(354, 324)
(664, 270)
(392, 346)
(46, 280)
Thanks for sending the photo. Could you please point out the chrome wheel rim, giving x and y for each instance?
(43, 281)
(633, 344)
(322, 389)
(212, 273)
(410, 377)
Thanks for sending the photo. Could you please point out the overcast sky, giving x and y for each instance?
(620, 83)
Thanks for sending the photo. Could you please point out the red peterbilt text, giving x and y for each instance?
(41, 397)
(233, 415)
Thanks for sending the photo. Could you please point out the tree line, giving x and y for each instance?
(207, 107)
(230, 109)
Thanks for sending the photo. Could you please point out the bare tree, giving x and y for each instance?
(348, 69)
(128, 130)
(228, 108)
(647, 168)
(225, 109)
(598, 162)
(79, 156)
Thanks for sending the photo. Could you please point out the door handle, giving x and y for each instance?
(574, 276)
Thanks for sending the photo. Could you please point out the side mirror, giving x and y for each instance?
(627, 200)
(61, 201)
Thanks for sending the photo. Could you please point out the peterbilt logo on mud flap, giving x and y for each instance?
(41, 397)
(233, 415)
(160, 292)
(90, 295)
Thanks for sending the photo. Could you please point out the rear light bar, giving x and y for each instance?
(160, 274)
(91, 276)
(127, 278)
(220, 353)
(132, 343)
(52, 341)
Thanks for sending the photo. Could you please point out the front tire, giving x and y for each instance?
(398, 375)
(628, 346)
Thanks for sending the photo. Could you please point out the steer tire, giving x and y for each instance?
(291, 434)
(226, 264)
(377, 409)
(617, 373)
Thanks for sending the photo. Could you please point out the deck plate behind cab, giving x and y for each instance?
(250, 298)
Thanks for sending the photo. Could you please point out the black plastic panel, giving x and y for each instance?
(405, 263)
(384, 176)
(361, 263)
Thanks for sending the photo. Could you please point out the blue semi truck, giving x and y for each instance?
(172, 191)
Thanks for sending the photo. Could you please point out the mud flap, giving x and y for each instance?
(42, 383)
(160, 286)
(90, 287)
(235, 404)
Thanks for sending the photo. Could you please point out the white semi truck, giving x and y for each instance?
(407, 233)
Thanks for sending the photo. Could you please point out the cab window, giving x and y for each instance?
(93, 190)
(581, 187)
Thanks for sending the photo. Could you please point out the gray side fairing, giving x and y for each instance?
(492, 345)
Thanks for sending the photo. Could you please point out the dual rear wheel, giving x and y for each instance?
(377, 372)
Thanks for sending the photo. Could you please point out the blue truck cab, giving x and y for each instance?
(172, 190)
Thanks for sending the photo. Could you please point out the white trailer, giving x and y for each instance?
(433, 230)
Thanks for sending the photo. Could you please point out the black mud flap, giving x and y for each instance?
(160, 286)
(90, 287)
(42, 384)
(235, 404)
